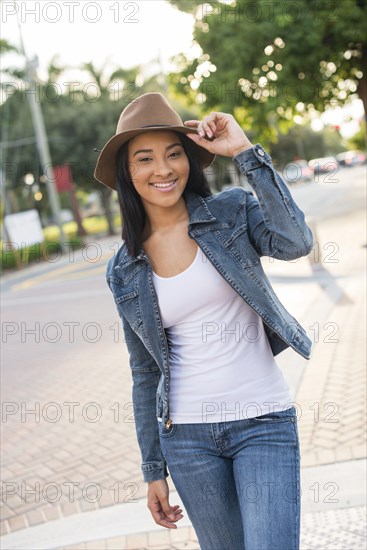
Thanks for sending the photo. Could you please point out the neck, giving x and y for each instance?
(162, 219)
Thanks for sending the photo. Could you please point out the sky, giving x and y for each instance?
(119, 33)
(114, 34)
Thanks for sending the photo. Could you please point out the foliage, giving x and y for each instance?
(77, 121)
(303, 142)
(358, 141)
(6, 47)
(37, 252)
(268, 61)
(93, 225)
(34, 253)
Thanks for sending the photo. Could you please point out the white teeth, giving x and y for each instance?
(163, 184)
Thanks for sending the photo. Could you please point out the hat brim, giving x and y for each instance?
(105, 167)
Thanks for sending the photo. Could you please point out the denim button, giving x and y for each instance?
(261, 152)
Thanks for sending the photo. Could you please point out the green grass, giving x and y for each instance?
(93, 226)
(96, 225)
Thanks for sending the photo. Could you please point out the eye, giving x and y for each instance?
(175, 154)
(144, 159)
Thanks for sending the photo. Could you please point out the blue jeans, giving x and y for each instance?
(239, 481)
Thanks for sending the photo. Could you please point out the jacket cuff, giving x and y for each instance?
(152, 471)
(254, 157)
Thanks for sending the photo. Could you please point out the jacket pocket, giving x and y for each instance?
(127, 301)
(126, 296)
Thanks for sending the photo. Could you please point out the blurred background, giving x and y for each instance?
(293, 73)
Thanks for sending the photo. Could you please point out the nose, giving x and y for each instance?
(162, 168)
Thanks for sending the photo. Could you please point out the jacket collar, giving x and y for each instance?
(198, 209)
(198, 213)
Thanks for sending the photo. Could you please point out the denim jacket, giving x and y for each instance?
(233, 228)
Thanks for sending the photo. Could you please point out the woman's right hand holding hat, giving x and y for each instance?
(220, 134)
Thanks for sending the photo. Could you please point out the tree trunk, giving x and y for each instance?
(75, 209)
(106, 201)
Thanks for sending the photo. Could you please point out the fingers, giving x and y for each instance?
(158, 504)
(208, 126)
(204, 142)
(204, 128)
(193, 123)
(218, 133)
(167, 518)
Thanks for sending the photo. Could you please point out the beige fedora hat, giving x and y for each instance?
(150, 111)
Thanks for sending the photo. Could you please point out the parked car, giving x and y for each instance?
(351, 158)
(323, 165)
(297, 170)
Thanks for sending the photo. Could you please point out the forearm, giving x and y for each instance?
(277, 224)
(145, 378)
(144, 403)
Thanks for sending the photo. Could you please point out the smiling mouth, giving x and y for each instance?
(164, 185)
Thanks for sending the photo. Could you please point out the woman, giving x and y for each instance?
(202, 325)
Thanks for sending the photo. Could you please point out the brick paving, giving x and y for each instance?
(332, 395)
(330, 530)
(59, 460)
(45, 456)
(182, 538)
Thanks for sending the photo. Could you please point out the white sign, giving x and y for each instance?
(24, 228)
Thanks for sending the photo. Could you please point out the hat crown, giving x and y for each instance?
(149, 110)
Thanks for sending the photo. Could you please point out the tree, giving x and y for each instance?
(77, 121)
(270, 61)
(110, 86)
(358, 140)
(5, 46)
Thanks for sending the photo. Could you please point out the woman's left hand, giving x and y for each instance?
(220, 134)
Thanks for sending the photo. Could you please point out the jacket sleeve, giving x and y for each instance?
(145, 377)
(276, 224)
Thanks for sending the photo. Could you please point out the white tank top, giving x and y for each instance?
(221, 364)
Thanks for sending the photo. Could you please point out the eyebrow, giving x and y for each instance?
(151, 150)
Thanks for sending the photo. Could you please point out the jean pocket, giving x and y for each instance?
(289, 415)
(166, 432)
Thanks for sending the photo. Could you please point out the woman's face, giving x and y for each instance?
(158, 166)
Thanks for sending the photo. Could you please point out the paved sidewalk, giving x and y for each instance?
(328, 521)
(329, 392)
(334, 429)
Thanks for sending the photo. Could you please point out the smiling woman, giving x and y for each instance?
(160, 176)
(151, 147)
(157, 181)
(202, 324)
(160, 180)
(165, 167)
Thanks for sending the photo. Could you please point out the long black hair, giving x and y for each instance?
(132, 209)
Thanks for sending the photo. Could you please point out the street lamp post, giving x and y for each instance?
(42, 143)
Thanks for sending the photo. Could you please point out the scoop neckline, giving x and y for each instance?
(182, 272)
